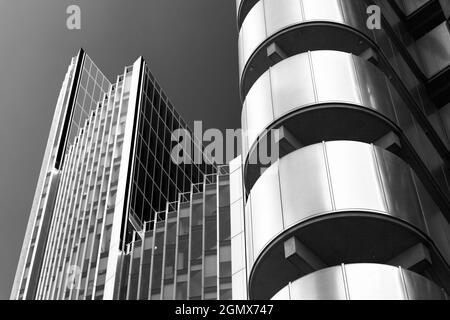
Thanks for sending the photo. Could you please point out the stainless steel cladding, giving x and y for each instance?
(360, 183)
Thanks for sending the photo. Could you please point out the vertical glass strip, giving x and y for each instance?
(124, 273)
(225, 292)
(182, 251)
(210, 243)
(146, 262)
(134, 269)
(196, 247)
(169, 258)
(158, 250)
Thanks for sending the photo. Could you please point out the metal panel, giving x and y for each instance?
(279, 16)
(323, 10)
(399, 188)
(292, 85)
(374, 88)
(330, 70)
(237, 217)
(249, 231)
(267, 214)
(258, 109)
(327, 284)
(354, 176)
(239, 286)
(419, 288)
(302, 198)
(374, 282)
(236, 192)
(253, 31)
(237, 253)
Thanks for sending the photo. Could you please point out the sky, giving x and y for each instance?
(190, 46)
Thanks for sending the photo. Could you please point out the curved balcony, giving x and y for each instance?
(317, 78)
(328, 95)
(296, 26)
(323, 24)
(362, 282)
(367, 201)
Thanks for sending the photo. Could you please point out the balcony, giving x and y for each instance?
(367, 201)
(331, 95)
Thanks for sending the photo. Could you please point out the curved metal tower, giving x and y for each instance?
(356, 203)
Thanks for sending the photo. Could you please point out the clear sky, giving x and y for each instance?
(190, 45)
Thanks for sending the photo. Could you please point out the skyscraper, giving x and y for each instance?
(357, 205)
(107, 169)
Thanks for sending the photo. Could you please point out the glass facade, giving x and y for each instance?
(91, 89)
(187, 247)
(156, 178)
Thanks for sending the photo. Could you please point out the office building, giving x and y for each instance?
(107, 170)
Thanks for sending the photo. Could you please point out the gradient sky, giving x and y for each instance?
(190, 45)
